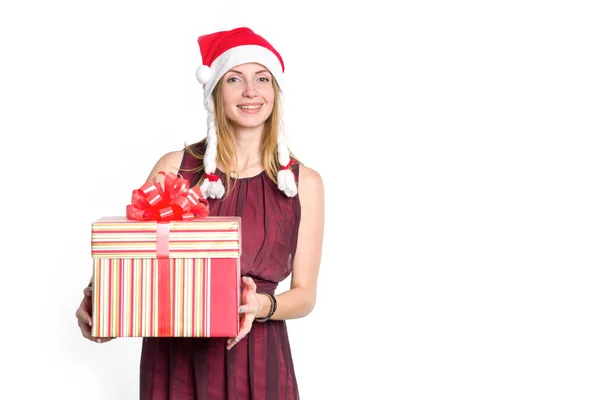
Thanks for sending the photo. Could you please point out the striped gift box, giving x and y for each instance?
(179, 278)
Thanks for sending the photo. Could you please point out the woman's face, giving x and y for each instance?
(248, 95)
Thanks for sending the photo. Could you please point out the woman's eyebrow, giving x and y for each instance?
(240, 73)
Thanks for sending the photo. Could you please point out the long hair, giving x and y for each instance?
(226, 154)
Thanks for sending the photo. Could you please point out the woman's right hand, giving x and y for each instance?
(84, 319)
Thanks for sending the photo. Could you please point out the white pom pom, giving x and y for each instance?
(203, 74)
(214, 190)
(286, 182)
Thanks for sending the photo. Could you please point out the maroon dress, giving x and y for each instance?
(260, 366)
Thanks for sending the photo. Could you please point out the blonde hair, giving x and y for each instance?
(226, 154)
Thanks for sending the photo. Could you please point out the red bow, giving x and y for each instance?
(212, 177)
(288, 164)
(176, 201)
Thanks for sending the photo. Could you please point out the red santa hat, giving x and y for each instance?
(220, 52)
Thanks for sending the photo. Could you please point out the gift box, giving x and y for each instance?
(166, 269)
(179, 278)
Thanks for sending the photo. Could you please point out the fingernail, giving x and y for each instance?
(89, 322)
(240, 310)
(98, 340)
(247, 279)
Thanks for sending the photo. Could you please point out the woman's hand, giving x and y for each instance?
(84, 319)
(251, 306)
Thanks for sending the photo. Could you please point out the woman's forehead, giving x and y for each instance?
(251, 67)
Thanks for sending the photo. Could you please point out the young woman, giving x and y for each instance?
(245, 169)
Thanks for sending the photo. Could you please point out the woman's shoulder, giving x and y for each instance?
(168, 162)
(311, 196)
(171, 161)
(309, 179)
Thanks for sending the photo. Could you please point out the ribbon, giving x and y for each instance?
(288, 165)
(212, 177)
(172, 202)
(165, 327)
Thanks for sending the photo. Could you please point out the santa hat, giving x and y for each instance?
(220, 52)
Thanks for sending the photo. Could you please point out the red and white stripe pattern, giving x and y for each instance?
(147, 297)
(118, 237)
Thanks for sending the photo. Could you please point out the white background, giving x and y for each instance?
(458, 143)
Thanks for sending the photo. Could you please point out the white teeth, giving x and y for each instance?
(250, 107)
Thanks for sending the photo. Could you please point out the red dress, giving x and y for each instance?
(259, 367)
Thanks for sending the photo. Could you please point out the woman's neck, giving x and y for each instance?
(247, 145)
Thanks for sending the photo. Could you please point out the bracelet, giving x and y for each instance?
(271, 310)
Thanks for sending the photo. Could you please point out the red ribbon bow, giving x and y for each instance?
(212, 177)
(174, 201)
(288, 164)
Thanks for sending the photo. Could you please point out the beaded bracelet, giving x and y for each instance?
(271, 310)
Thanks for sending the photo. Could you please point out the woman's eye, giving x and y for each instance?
(263, 79)
(233, 79)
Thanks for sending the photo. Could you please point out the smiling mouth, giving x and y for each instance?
(250, 107)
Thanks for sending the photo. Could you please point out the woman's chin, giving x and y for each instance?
(248, 123)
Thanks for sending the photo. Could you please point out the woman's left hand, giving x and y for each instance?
(249, 309)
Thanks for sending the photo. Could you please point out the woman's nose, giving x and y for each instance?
(249, 90)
